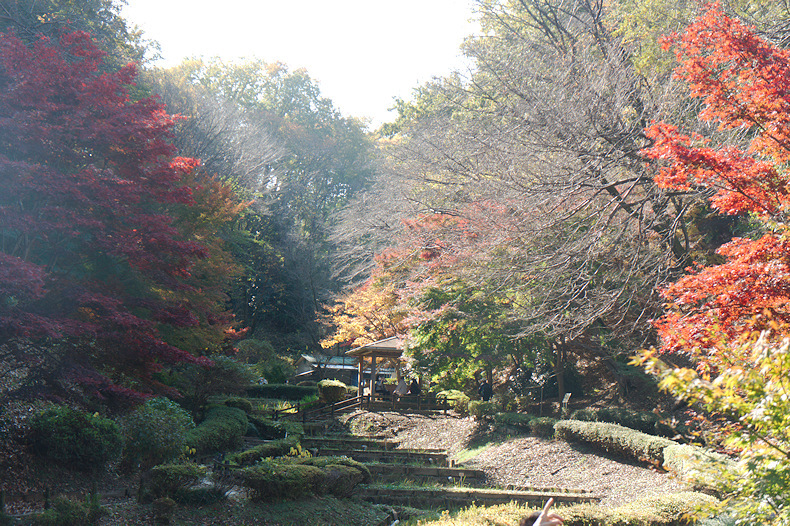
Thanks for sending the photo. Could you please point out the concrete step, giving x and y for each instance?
(459, 497)
(388, 456)
(348, 442)
(438, 474)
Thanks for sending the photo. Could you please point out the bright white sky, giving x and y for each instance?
(363, 53)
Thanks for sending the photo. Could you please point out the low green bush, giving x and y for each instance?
(281, 391)
(276, 369)
(155, 433)
(198, 383)
(615, 439)
(269, 481)
(269, 429)
(276, 448)
(279, 480)
(481, 410)
(520, 420)
(700, 468)
(542, 426)
(66, 512)
(222, 429)
(643, 421)
(239, 403)
(80, 440)
(671, 509)
(201, 496)
(323, 462)
(331, 391)
(169, 479)
(457, 399)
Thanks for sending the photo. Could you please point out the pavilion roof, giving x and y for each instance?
(387, 348)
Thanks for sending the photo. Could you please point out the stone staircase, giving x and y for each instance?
(426, 479)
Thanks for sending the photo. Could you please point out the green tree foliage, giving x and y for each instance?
(155, 433)
(225, 376)
(751, 394)
(731, 319)
(74, 438)
(320, 160)
(31, 19)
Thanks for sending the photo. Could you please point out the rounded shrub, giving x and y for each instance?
(519, 420)
(542, 426)
(239, 403)
(331, 391)
(83, 441)
(155, 432)
(67, 512)
(277, 480)
(168, 479)
(222, 429)
(482, 410)
(457, 399)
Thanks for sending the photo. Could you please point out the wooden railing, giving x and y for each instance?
(377, 401)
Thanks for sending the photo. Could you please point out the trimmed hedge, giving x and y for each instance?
(269, 429)
(281, 391)
(331, 391)
(323, 462)
(542, 426)
(222, 429)
(457, 399)
(66, 512)
(169, 480)
(700, 468)
(480, 409)
(277, 448)
(279, 480)
(615, 439)
(239, 403)
(671, 509)
(83, 441)
(514, 419)
(643, 421)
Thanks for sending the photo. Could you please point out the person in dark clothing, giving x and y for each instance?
(414, 388)
(485, 391)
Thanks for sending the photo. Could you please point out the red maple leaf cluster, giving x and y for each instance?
(88, 249)
(744, 84)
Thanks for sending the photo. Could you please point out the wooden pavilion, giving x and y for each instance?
(370, 357)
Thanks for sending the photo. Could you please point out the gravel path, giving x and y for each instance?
(522, 460)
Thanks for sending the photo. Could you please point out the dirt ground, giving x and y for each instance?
(520, 460)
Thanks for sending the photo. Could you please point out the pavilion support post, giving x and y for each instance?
(360, 380)
(373, 371)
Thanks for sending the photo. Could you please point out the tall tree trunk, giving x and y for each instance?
(558, 347)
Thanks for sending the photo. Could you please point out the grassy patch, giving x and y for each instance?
(467, 454)
(320, 511)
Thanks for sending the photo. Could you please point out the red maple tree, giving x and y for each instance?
(88, 251)
(744, 84)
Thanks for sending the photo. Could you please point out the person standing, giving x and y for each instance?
(485, 391)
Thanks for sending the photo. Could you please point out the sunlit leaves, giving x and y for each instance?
(744, 83)
(88, 178)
